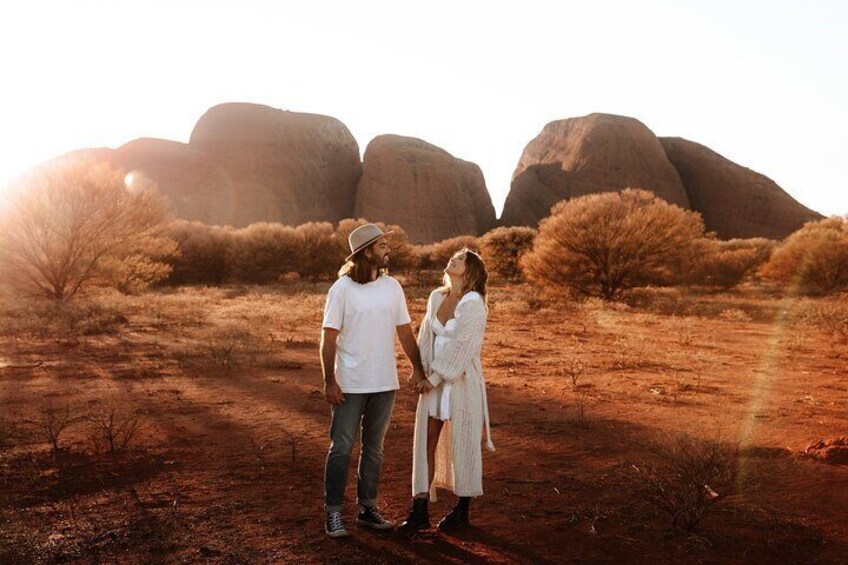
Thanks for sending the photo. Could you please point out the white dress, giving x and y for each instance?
(438, 399)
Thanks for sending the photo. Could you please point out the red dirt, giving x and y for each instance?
(216, 478)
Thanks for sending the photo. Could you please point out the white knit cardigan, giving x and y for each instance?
(459, 461)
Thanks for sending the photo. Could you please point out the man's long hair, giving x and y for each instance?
(359, 266)
(475, 278)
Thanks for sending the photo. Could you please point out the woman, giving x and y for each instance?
(452, 407)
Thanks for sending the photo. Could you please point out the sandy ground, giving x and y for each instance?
(228, 465)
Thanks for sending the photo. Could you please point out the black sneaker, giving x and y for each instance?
(369, 517)
(335, 527)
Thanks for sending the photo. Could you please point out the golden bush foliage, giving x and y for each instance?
(265, 252)
(814, 259)
(503, 248)
(725, 264)
(204, 253)
(262, 252)
(77, 223)
(602, 244)
(318, 256)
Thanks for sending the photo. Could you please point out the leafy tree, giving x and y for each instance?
(77, 223)
(602, 244)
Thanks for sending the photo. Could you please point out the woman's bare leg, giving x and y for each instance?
(434, 429)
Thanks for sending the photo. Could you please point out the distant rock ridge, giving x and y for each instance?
(249, 163)
(604, 152)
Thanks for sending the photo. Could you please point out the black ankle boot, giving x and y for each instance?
(458, 517)
(418, 518)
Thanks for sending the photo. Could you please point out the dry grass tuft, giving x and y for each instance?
(685, 477)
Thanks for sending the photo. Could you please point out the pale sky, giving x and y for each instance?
(764, 83)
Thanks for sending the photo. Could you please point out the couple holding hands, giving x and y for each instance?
(365, 308)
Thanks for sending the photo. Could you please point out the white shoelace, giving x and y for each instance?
(336, 521)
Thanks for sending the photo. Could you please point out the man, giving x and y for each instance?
(365, 308)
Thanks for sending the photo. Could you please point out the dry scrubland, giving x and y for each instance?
(657, 395)
(196, 431)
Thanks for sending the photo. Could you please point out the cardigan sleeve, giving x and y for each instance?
(464, 347)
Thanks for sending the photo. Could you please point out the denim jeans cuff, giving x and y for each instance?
(369, 502)
(333, 507)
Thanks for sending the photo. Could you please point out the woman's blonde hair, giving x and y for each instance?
(475, 278)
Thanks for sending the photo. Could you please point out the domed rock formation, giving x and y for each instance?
(284, 167)
(423, 189)
(734, 201)
(579, 156)
(196, 186)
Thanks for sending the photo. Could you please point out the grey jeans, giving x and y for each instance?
(371, 412)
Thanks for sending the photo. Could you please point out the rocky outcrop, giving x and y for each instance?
(424, 189)
(734, 201)
(282, 166)
(594, 153)
(248, 163)
(197, 187)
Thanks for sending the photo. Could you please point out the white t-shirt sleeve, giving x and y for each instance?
(334, 308)
(402, 313)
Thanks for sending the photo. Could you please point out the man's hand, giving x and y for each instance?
(333, 394)
(423, 386)
(414, 378)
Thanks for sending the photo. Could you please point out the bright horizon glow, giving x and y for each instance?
(762, 83)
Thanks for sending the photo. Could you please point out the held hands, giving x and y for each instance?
(414, 378)
(423, 386)
(333, 394)
(418, 382)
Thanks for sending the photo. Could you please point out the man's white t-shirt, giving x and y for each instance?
(367, 317)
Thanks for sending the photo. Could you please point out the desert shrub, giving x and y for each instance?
(203, 253)
(50, 319)
(113, 427)
(229, 345)
(436, 255)
(73, 224)
(734, 315)
(403, 258)
(685, 477)
(829, 316)
(319, 256)
(601, 244)
(503, 248)
(814, 259)
(263, 252)
(725, 264)
(51, 421)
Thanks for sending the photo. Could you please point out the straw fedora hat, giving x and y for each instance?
(363, 236)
